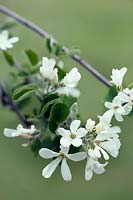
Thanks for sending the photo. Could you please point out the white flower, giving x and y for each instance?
(5, 41)
(106, 142)
(19, 131)
(126, 97)
(93, 166)
(115, 108)
(72, 78)
(72, 136)
(48, 71)
(68, 91)
(117, 76)
(60, 158)
(109, 141)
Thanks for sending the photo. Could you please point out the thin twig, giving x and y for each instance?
(13, 106)
(44, 34)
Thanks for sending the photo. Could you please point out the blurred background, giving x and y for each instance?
(103, 30)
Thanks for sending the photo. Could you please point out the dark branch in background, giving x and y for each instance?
(44, 34)
(7, 100)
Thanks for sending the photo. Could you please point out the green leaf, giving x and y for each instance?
(49, 44)
(58, 115)
(48, 101)
(24, 92)
(69, 100)
(111, 93)
(8, 58)
(59, 49)
(33, 58)
(46, 106)
(61, 73)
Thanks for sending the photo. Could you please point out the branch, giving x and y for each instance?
(44, 34)
(8, 100)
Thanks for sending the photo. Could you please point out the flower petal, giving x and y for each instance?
(118, 117)
(13, 40)
(10, 132)
(47, 153)
(65, 171)
(64, 150)
(107, 116)
(77, 156)
(99, 168)
(63, 132)
(50, 168)
(127, 108)
(77, 142)
(65, 142)
(108, 105)
(88, 171)
(81, 132)
(75, 125)
(111, 147)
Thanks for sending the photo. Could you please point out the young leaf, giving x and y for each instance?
(8, 58)
(33, 58)
(24, 92)
(58, 50)
(49, 44)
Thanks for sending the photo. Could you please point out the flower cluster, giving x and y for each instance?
(97, 140)
(93, 141)
(66, 86)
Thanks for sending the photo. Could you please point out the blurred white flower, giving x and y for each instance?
(68, 91)
(93, 166)
(72, 136)
(48, 71)
(5, 41)
(115, 108)
(117, 76)
(72, 78)
(61, 157)
(20, 131)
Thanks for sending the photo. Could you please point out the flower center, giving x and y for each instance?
(73, 136)
(116, 107)
(62, 155)
(97, 142)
